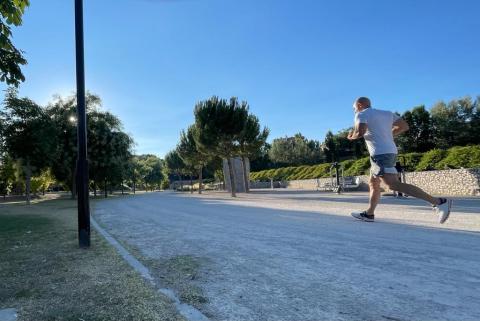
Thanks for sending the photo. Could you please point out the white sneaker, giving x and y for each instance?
(443, 210)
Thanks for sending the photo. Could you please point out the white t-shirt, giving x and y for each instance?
(379, 137)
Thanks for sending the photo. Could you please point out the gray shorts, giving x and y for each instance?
(383, 164)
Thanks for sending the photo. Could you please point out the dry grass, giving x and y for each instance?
(45, 276)
(179, 273)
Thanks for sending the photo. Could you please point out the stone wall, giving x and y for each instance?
(454, 182)
(447, 182)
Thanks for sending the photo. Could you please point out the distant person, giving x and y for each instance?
(378, 127)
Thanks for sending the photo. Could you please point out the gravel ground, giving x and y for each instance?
(298, 255)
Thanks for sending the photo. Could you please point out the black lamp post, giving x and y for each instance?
(82, 165)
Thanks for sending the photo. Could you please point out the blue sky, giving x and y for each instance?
(299, 63)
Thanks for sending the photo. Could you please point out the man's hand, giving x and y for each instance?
(399, 126)
(350, 135)
(358, 132)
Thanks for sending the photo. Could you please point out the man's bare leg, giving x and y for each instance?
(374, 185)
(391, 180)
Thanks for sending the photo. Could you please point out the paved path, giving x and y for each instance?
(293, 255)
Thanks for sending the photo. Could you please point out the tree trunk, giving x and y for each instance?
(191, 184)
(134, 184)
(105, 188)
(232, 177)
(200, 180)
(28, 179)
(74, 182)
(94, 188)
(181, 182)
(74, 187)
(246, 180)
(122, 187)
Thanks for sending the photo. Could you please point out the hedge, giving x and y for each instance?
(359, 167)
(410, 161)
(456, 157)
(431, 159)
(461, 157)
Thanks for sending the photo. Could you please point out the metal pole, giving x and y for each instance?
(82, 165)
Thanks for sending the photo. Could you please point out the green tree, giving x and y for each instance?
(474, 130)
(154, 177)
(121, 147)
(63, 114)
(174, 165)
(62, 111)
(133, 171)
(148, 171)
(11, 58)
(452, 122)
(295, 150)
(7, 175)
(191, 155)
(330, 148)
(109, 149)
(29, 135)
(263, 160)
(345, 148)
(219, 124)
(420, 134)
(42, 182)
(337, 147)
(251, 141)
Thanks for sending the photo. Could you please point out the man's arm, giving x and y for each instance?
(399, 127)
(358, 132)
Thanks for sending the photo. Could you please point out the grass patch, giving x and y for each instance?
(180, 273)
(45, 276)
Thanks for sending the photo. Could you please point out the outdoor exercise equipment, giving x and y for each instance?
(336, 175)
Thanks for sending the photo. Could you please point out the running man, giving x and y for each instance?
(378, 127)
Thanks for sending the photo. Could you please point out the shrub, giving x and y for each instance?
(410, 161)
(346, 164)
(359, 167)
(322, 170)
(430, 160)
(165, 184)
(307, 173)
(283, 173)
(259, 176)
(275, 174)
(295, 172)
(300, 172)
(456, 157)
(269, 174)
(303, 171)
(461, 157)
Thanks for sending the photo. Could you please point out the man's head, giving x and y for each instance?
(361, 103)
